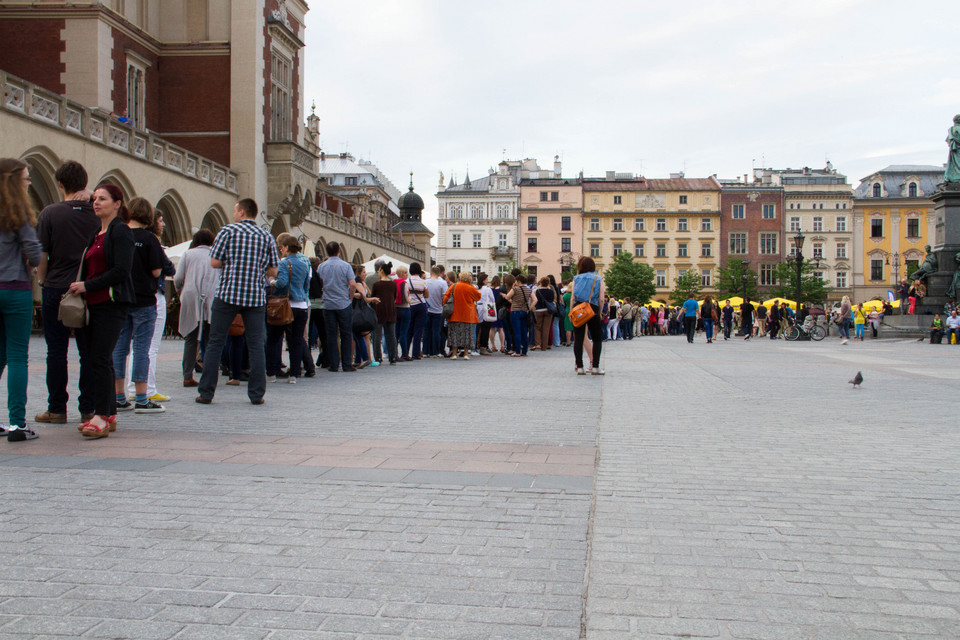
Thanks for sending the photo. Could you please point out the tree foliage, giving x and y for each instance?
(730, 280)
(625, 278)
(686, 286)
(814, 289)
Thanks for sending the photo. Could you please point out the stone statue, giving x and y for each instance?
(952, 174)
(955, 284)
(929, 265)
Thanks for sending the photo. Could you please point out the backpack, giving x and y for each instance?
(316, 286)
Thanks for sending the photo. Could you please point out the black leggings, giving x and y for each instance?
(595, 326)
(101, 334)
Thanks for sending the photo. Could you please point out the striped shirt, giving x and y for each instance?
(247, 251)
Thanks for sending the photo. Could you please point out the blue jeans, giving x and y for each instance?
(403, 330)
(434, 338)
(254, 333)
(708, 327)
(338, 321)
(418, 317)
(556, 331)
(57, 338)
(521, 336)
(138, 328)
(845, 328)
(860, 328)
(16, 319)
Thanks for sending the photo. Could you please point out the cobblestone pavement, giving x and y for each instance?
(733, 490)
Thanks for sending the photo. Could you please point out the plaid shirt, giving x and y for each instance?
(247, 251)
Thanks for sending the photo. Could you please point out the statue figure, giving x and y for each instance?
(955, 284)
(929, 265)
(952, 173)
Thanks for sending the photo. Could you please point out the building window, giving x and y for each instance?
(476, 211)
(769, 212)
(913, 227)
(738, 243)
(876, 270)
(682, 224)
(841, 279)
(706, 224)
(564, 244)
(455, 241)
(477, 240)
(738, 212)
(617, 199)
(794, 224)
(456, 268)
(682, 250)
(475, 270)
(683, 199)
(766, 275)
(136, 93)
(594, 224)
(617, 248)
(350, 181)
(280, 103)
(768, 243)
(661, 250)
(876, 228)
(841, 250)
(594, 250)
(819, 276)
(638, 224)
(456, 211)
(543, 196)
(661, 224)
(638, 251)
(502, 270)
(681, 272)
(842, 224)
(618, 224)
(912, 190)
(705, 277)
(706, 250)
(554, 196)
(532, 271)
(507, 211)
(531, 245)
(501, 239)
(817, 250)
(661, 277)
(565, 223)
(532, 223)
(876, 194)
(818, 223)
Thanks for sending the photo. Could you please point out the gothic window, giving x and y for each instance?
(280, 101)
(136, 93)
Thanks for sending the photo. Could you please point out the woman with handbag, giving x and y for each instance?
(588, 288)
(293, 280)
(363, 316)
(544, 306)
(107, 286)
(487, 313)
(417, 298)
(385, 292)
(20, 253)
(519, 298)
(462, 321)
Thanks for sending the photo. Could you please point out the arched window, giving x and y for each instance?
(876, 190)
(912, 190)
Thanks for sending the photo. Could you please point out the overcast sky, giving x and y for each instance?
(649, 87)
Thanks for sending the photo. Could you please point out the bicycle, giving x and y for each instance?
(808, 331)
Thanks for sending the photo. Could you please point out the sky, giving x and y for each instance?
(645, 87)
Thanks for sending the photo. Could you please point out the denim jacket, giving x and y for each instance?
(294, 274)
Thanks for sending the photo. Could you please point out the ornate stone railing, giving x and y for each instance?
(292, 153)
(386, 241)
(51, 109)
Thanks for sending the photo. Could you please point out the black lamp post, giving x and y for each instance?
(798, 243)
(743, 276)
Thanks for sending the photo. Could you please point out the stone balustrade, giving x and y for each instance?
(387, 241)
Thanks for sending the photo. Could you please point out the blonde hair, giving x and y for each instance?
(402, 272)
(466, 276)
(15, 209)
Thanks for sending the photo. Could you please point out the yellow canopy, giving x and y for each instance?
(790, 303)
(655, 304)
(873, 305)
(735, 301)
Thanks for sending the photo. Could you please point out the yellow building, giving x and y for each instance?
(671, 224)
(893, 220)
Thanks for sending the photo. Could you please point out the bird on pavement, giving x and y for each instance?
(857, 380)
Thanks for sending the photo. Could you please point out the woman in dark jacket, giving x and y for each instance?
(108, 289)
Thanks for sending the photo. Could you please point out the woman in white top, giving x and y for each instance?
(487, 313)
(417, 294)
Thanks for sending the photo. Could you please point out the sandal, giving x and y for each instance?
(110, 420)
(90, 430)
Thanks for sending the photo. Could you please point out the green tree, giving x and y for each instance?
(730, 280)
(814, 289)
(512, 264)
(625, 278)
(686, 286)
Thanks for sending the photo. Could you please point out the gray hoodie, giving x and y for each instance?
(17, 248)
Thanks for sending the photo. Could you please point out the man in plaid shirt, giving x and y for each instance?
(247, 255)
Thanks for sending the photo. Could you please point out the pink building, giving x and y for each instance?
(551, 228)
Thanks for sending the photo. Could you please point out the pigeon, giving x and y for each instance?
(857, 380)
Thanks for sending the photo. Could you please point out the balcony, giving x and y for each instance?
(502, 253)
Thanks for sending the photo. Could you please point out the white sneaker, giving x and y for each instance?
(466, 356)
(453, 357)
(597, 372)
(474, 353)
(271, 378)
(581, 372)
(844, 341)
(291, 380)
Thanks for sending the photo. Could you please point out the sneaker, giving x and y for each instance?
(51, 418)
(271, 378)
(474, 353)
(376, 363)
(233, 382)
(159, 397)
(291, 380)
(844, 341)
(598, 372)
(466, 356)
(453, 357)
(149, 407)
(581, 372)
(19, 434)
(124, 406)
(202, 400)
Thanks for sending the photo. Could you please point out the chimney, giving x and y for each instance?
(611, 175)
(556, 166)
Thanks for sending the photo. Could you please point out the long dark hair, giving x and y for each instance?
(15, 209)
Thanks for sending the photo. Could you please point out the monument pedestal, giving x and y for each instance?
(945, 247)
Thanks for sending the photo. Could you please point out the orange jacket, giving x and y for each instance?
(465, 297)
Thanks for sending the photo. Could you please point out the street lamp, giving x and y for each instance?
(743, 276)
(798, 243)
